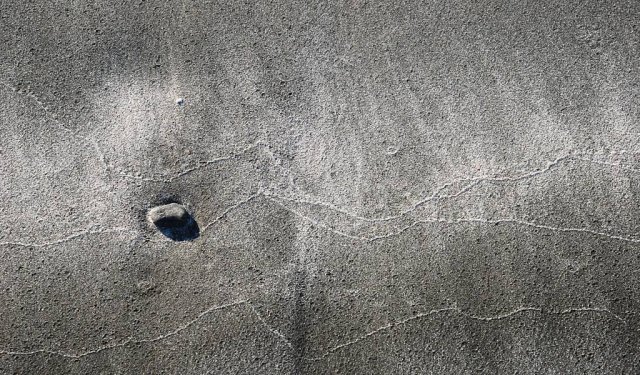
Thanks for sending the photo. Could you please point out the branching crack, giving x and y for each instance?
(436, 195)
(276, 332)
(453, 309)
(452, 222)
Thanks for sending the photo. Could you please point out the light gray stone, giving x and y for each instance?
(169, 215)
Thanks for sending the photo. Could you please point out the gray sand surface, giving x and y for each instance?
(379, 187)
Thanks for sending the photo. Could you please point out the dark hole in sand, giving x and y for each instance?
(175, 222)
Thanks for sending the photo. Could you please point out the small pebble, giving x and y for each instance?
(172, 215)
(174, 221)
(392, 150)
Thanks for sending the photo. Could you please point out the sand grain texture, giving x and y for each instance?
(378, 187)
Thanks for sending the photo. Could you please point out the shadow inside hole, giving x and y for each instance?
(174, 221)
(179, 230)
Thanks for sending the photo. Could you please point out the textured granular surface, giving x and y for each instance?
(372, 187)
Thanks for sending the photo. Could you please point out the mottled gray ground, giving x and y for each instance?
(380, 187)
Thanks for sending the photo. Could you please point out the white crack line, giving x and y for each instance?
(128, 341)
(276, 332)
(457, 310)
(452, 222)
(313, 221)
(605, 163)
(473, 181)
(199, 165)
(70, 237)
(328, 352)
(40, 103)
(90, 231)
(507, 221)
(436, 195)
(52, 116)
(231, 208)
(134, 341)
